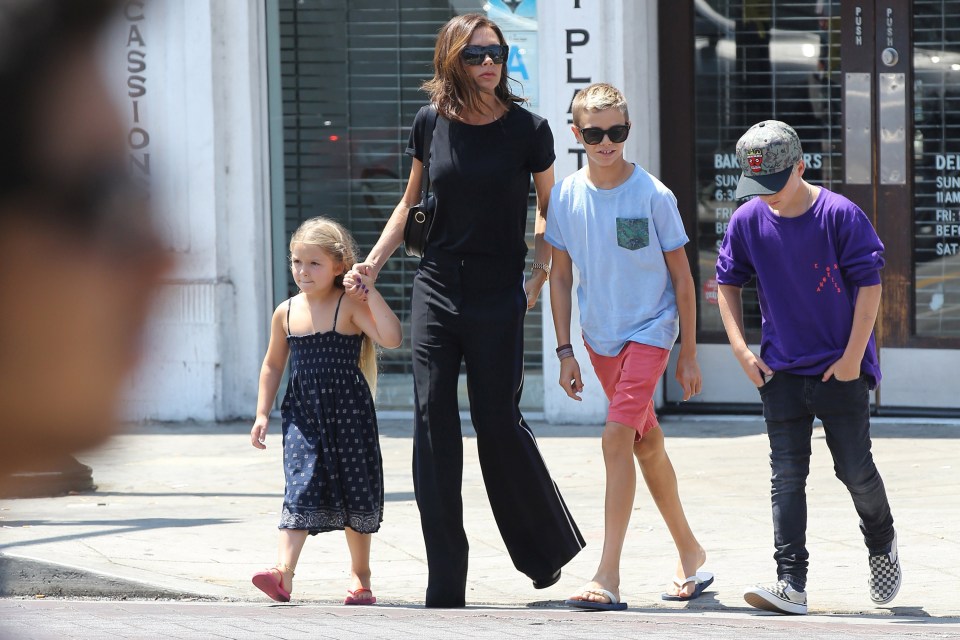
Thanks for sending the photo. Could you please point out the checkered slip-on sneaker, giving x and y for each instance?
(779, 598)
(885, 575)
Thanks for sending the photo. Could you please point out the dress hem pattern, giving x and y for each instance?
(324, 520)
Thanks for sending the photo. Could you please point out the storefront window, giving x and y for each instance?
(936, 181)
(758, 60)
(345, 87)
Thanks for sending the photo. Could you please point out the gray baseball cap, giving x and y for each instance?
(767, 153)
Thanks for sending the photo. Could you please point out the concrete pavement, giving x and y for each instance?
(190, 510)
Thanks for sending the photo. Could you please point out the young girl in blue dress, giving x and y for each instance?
(331, 451)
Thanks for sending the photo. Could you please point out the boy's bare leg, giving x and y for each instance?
(621, 488)
(661, 480)
(291, 544)
(359, 544)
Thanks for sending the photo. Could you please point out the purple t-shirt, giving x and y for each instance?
(809, 270)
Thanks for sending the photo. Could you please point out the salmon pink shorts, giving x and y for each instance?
(629, 380)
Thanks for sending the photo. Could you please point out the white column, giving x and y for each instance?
(199, 64)
(244, 264)
(641, 78)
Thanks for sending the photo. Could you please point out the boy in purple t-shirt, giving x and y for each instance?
(817, 261)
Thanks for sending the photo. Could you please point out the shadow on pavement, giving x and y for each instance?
(916, 431)
(680, 426)
(113, 527)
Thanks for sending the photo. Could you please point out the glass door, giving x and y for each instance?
(876, 114)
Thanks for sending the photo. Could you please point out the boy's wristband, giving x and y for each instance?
(564, 351)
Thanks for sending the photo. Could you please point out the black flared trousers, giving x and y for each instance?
(471, 310)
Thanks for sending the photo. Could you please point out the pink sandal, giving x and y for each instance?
(273, 586)
(355, 597)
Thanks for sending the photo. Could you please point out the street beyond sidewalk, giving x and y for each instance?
(22, 619)
(190, 510)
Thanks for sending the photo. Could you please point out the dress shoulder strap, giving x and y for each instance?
(337, 312)
(289, 301)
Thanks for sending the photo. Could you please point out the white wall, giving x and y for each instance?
(201, 67)
(919, 378)
(621, 49)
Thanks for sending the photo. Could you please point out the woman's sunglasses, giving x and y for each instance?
(474, 54)
(594, 135)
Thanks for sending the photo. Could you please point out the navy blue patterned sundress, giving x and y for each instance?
(331, 448)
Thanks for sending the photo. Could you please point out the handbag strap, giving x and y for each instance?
(429, 126)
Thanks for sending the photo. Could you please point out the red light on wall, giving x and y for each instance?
(334, 138)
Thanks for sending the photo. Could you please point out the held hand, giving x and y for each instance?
(533, 285)
(844, 370)
(688, 375)
(367, 269)
(570, 378)
(258, 434)
(753, 366)
(354, 285)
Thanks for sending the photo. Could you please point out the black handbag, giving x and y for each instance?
(416, 232)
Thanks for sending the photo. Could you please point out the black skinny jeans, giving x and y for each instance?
(790, 403)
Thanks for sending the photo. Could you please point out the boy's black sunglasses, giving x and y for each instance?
(594, 135)
(474, 54)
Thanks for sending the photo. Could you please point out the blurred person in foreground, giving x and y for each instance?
(79, 261)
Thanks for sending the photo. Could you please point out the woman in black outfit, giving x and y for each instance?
(469, 301)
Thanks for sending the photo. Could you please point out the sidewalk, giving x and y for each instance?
(190, 510)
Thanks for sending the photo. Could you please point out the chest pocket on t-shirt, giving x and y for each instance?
(633, 233)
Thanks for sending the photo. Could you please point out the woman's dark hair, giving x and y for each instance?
(451, 88)
(34, 36)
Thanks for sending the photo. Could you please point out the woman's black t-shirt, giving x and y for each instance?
(480, 176)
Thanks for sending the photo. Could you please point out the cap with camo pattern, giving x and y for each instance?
(767, 153)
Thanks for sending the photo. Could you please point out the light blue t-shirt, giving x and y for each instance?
(616, 238)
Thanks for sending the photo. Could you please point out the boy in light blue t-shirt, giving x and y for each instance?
(622, 229)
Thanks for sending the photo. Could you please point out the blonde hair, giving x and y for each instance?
(599, 96)
(333, 239)
(451, 88)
